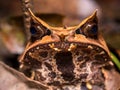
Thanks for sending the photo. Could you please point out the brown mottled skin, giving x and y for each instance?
(70, 58)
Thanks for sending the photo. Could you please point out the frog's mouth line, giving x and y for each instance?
(65, 47)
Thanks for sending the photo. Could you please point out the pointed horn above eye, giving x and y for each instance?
(89, 26)
(38, 19)
(90, 18)
(93, 17)
(94, 14)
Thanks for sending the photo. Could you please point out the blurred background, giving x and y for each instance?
(55, 13)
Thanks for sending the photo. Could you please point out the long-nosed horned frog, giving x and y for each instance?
(66, 58)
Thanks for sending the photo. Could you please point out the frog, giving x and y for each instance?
(66, 58)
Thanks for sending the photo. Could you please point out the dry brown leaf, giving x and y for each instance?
(11, 79)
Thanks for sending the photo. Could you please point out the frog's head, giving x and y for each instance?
(66, 51)
(86, 32)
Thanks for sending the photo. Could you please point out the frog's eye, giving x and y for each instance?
(33, 30)
(37, 31)
(90, 30)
